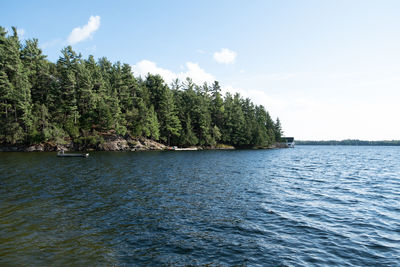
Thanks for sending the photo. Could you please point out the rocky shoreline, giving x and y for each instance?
(112, 143)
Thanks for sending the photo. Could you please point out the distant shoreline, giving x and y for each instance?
(349, 142)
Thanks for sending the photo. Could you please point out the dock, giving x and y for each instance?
(80, 155)
(184, 148)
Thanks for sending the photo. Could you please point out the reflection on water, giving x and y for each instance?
(302, 206)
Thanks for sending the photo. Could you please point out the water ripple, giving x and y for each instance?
(293, 207)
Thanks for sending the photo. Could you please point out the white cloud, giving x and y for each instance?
(198, 75)
(80, 34)
(259, 97)
(191, 70)
(144, 67)
(225, 56)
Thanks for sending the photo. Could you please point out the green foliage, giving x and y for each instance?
(151, 127)
(170, 124)
(278, 130)
(89, 140)
(15, 91)
(76, 99)
(188, 137)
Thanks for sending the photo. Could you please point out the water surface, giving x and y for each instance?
(312, 205)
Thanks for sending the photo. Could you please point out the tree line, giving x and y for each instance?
(350, 142)
(78, 99)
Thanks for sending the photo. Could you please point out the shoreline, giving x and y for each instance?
(117, 143)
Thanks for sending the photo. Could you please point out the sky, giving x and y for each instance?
(328, 69)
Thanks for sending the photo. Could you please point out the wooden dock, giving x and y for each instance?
(80, 155)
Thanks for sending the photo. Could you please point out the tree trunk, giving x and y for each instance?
(15, 113)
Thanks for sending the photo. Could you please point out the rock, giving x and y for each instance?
(35, 148)
(61, 147)
(139, 146)
(152, 145)
(112, 142)
(118, 144)
(50, 147)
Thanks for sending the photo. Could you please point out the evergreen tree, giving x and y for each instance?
(75, 99)
(278, 130)
(188, 137)
(234, 127)
(151, 127)
(85, 97)
(217, 105)
(156, 88)
(169, 121)
(38, 70)
(15, 90)
(261, 136)
(109, 104)
(67, 68)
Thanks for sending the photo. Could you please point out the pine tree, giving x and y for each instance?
(156, 87)
(74, 98)
(85, 97)
(109, 104)
(67, 69)
(37, 68)
(169, 121)
(217, 105)
(188, 137)
(151, 126)
(278, 130)
(15, 90)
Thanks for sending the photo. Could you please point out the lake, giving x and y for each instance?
(311, 205)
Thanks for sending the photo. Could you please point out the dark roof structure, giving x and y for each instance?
(288, 139)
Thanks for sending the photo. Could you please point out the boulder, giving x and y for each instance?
(35, 148)
(152, 145)
(118, 144)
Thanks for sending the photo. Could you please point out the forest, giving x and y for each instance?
(78, 99)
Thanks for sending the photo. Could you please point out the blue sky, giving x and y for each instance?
(328, 69)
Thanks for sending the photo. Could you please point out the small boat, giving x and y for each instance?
(82, 155)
